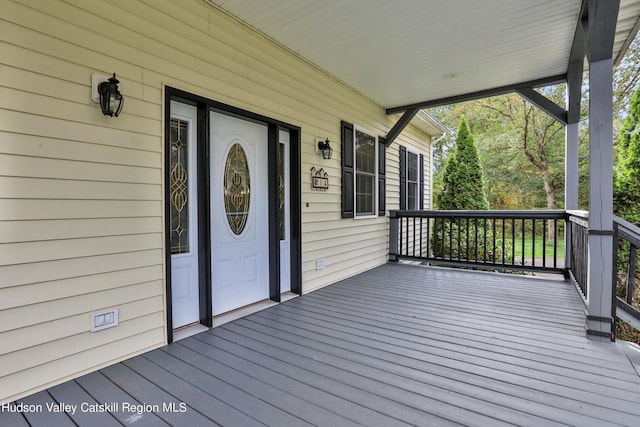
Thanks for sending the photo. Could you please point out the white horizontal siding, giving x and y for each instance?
(81, 209)
(28, 209)
(67, 344)
(72, 365)
(40, 292)
(43, 230)
(27, 252)
(55, 188)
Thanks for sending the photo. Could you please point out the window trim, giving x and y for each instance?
(374, 213)
(403, 172)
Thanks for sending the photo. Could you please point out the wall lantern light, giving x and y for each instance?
(105, 91)
(325, 149)
(111, 100)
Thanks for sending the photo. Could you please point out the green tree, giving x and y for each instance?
(626, 192)
(462, 181)
(626, 201)
(462, 188)
(521, 150)
(539, 137)
(626, 78)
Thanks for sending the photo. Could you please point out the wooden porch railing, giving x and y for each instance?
(509, 240)
(578, 249)
(625, 257)
(503, 240)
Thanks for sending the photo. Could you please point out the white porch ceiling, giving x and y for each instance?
(399, 52)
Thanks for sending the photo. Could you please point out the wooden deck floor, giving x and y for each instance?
(397, 345)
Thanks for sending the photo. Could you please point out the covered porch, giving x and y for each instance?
(446, 54)
(411, 344)
(396, 345)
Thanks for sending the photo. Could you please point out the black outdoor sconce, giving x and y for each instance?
(111, 100)
(325, 149)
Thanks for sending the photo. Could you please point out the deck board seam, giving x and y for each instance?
(297, 342)
(539, 367)
(376, 391)
(398, 413)
(365, 322)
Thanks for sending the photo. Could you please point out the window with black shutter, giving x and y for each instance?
(403, 178)
(421, 187)
(347, 170)
(382, 176)
(363, 173)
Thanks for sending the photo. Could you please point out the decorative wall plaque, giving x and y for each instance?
(319, 179)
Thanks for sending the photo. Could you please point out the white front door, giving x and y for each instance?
(239, 213)
(184, 214)
(284, 233)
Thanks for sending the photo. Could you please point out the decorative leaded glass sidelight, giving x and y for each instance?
(281, 192)
(237, 189)
(179, 186)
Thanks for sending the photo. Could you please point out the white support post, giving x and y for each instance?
(572, 137)
(571, 166)
(600, 292)
(571, 175)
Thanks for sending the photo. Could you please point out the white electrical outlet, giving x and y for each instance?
(319, 264)
(104, 319)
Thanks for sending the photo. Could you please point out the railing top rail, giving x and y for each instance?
(507, 214)
(627, 230)
(578, 214)
(579, 220)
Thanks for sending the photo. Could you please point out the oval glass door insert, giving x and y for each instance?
(237, 189)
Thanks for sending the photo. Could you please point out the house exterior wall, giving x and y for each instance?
(81, 194)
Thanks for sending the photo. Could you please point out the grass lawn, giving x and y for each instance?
(528, 248)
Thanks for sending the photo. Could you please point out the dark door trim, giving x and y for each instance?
(295, 214)
(272, 196)
(204, 106)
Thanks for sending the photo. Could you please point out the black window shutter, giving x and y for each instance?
(403, 178)
(382, 177)
(346, 137)
(421, 181)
